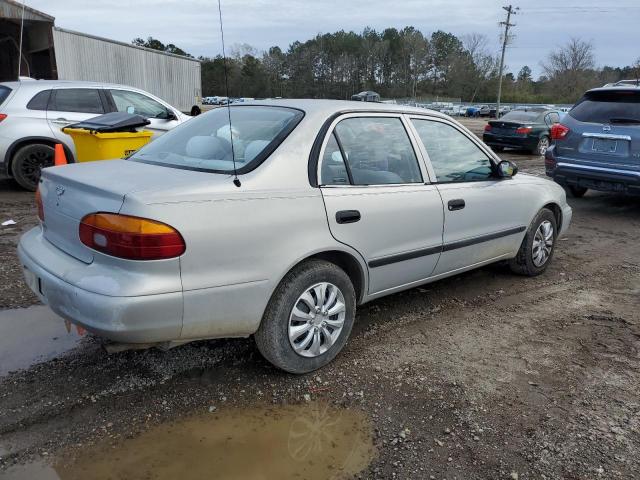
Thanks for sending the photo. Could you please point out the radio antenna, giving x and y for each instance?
(20, 47)
(236, 180)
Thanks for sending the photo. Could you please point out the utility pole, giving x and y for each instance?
(507, 25)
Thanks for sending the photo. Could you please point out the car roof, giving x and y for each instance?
(616, 88)
(330, 107)
(44, 84)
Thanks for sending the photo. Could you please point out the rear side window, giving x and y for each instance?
(81, 100)
(39, 101)
(373, 150)
(4, 93)
(608, 107)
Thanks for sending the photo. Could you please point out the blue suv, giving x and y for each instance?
(597, 145)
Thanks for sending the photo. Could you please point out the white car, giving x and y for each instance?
(32, 114)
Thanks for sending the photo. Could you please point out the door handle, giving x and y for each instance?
(347, 216)
(457, 204)
(61, 121)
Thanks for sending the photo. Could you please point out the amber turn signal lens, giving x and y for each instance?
(39, 205)
(133, 238)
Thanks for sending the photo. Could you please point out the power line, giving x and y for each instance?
(507, 25)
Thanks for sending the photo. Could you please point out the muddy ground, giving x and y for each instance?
(484, 375)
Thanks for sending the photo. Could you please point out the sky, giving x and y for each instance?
(193, 25)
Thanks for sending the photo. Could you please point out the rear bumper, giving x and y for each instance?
(136, 319)
(605, 179)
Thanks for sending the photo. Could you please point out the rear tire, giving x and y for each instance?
(538, 245)
(495, 148)
(27, 163)
(542, 146)
(577, 192)
(289, 309)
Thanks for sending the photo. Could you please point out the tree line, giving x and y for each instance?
(401, 63)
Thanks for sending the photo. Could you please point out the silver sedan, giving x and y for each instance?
(279, 224)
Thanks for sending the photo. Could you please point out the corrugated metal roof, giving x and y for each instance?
(174, 78)
(12, 9)
(129, 45)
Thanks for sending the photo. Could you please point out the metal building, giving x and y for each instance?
(50, 52)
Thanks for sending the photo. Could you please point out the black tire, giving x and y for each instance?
(542, 146)
(27, 163)
(523, 263)
(272, 338)
(496, 148)
(577, 192)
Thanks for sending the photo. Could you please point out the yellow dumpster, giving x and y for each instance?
(91, 145)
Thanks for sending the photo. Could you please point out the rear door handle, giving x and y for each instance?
(347, 216)
(457, 204)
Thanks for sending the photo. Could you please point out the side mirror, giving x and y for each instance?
(170, 115)
(507, 169)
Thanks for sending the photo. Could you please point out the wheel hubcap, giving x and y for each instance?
(316, 320)
(34, 162)
(542, 243)
(543, 146)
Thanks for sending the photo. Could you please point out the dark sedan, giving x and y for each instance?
(524, 129)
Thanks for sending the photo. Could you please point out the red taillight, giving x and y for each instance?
(487, 128)
(39, 205)
(523, 130)
(129, 237)
(559, 131)
(3, 116)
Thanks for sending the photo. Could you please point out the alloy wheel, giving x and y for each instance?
(316, 319)
(542, 243)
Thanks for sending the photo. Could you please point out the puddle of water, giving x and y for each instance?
(311, 441)
(32, 335)
(30, 471)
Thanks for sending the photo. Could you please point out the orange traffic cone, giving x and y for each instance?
(59, 157)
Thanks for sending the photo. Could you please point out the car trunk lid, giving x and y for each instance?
(71, 192)
(504, 129)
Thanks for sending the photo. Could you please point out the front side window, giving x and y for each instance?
(454, 157)
(134, 102)
(80, 100)
(205, 142)
(372, 150)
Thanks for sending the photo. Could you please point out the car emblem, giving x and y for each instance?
(59, 193)
(606, 128)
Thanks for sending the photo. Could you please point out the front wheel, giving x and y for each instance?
(537, 247)
(309, 318)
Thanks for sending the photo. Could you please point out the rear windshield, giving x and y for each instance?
(205, 142)
(521, 116)
(608, 107)
(4, 93)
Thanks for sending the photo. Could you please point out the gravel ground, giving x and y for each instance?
(483, 375)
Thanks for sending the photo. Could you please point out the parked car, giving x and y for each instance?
(32, 114)
(503, 111)
(334, 204)
(472, 112)
(526, 129)
(597, 145)
(367, 96)
(484, 110)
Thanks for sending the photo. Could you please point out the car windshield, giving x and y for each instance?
(205, 142)
(608, 107)
(521, 116)
(4, 93)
